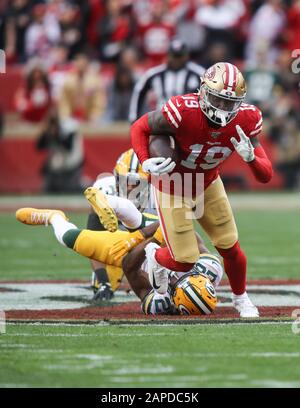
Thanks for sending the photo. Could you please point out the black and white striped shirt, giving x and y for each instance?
(164, 83)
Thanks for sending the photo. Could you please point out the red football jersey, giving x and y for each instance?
(202, 148)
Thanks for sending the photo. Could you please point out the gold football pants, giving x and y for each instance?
(176, 218)
(97, 244)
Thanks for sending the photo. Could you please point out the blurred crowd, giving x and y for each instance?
(82, 58)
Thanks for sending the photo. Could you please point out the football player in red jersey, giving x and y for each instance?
(208, 127)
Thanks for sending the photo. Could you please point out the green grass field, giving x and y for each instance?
(206, 355)
(253, 355)
(270, 239)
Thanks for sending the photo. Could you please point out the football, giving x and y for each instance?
(163, 146)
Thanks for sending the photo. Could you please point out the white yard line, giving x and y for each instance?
(280, 201)
(84, 334)
(141, 324)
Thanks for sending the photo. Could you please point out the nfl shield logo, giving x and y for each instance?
(215, 135)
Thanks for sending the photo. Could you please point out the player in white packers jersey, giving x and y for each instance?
(134, 214)
(185, 293)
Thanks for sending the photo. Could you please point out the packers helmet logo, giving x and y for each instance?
(210, 289)
(183, 310)
(194, 295)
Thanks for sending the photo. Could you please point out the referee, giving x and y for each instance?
(177, 76)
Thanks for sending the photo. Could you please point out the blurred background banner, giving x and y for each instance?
(79, 72)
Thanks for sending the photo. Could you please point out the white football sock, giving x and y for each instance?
(61, 226)
(126, 211)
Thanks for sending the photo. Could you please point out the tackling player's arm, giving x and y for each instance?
(123, 246)
(201, 245)
(131, 265)
(132, 262)
(152, 123)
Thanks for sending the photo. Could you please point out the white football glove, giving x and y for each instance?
(158, 165)
(244, 148)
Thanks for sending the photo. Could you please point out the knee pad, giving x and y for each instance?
(219, 211)
(190, 256)
(180, 222)
(226, 240)
(223, 229)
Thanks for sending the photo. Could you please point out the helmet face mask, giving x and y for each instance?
(222, 92)
(131, 181)
(134, 188)
(219, 109)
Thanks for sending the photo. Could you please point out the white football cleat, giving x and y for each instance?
(158, 275)
(244, 306)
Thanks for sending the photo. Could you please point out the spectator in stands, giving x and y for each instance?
(82, 95)
(265, 29)
(63, 167)
(222, 21)
(288, 162)
(177, 76)
(115, 30)
(96, 11)
(218, 51)
(129, 58)
(43, 32)
(33, 100)
(3, 23)
(72, 31)
(18, 19)
(293, 26)
(263, 84)
(119, 93)
(192, 33)
(58, 68)
(155, 35)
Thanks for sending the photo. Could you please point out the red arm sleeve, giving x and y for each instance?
(261, 166)
(139, 133)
